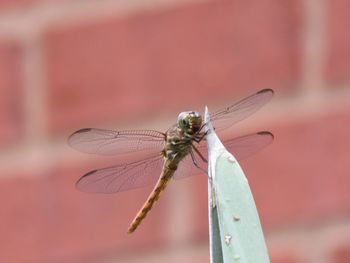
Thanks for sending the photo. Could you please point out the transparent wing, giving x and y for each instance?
(238, 111)
(241, 147)
(122, 177)
(110, 142)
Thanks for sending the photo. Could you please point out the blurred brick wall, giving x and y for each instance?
(65, 65)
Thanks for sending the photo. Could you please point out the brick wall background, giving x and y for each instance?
(70, 64)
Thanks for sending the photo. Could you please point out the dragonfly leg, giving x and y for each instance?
(203, 125)
(195, 162)
(200, 137)
(200, 154)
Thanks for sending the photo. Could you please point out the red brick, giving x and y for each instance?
(7, 4)
(170, 60)
(285, 256)
(45, 218)
(341, 254)
(200, 223)
(302, 176)
(11, 91)
(338, 57)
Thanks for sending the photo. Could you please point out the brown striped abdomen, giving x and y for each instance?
(154, 196)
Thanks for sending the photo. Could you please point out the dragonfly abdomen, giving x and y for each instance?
(154, 196)
(175, 149)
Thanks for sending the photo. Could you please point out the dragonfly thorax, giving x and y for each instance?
(190, 122)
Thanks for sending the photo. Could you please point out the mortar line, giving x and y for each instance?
(313, 46)
(34, 97)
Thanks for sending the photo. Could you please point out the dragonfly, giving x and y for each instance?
(175, 154)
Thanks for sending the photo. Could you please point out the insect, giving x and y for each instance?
(177, 153)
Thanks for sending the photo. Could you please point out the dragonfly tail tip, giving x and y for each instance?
(130, 230)
(266, 90)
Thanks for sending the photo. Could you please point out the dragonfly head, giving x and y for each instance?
(190, 121)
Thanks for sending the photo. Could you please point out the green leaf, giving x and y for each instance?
(235, 230)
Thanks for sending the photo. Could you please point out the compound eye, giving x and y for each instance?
(183, 123)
